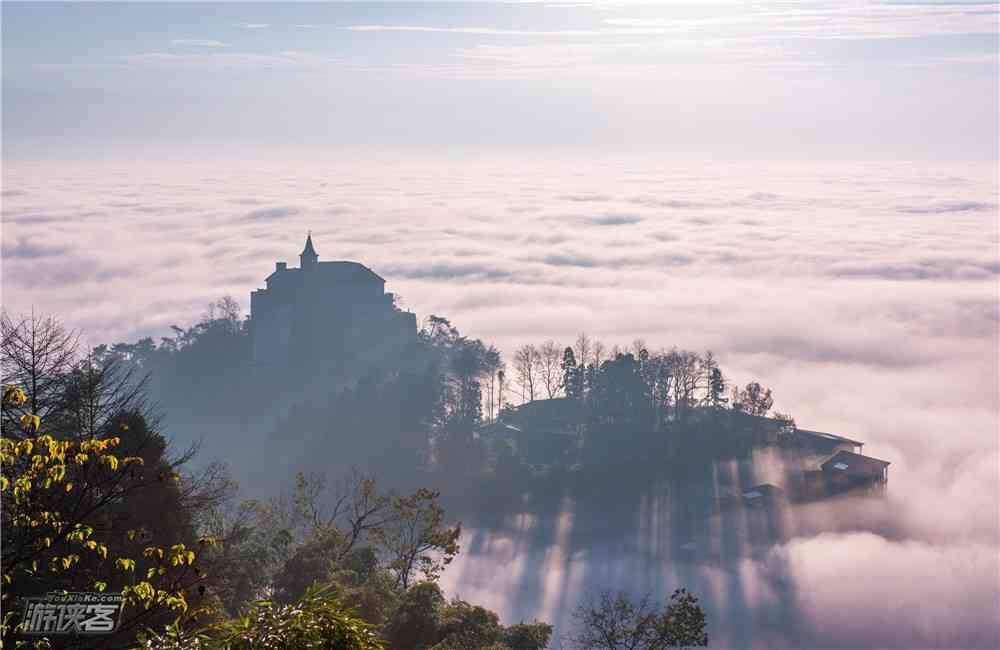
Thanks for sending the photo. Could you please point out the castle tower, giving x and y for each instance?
(308, 259)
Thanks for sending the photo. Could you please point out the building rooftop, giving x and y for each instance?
(851, 463)
(337, 271)
(831, 437)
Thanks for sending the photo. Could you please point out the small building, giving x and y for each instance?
(847, 471)
(543, 431)
(559, 414)
(762, 495)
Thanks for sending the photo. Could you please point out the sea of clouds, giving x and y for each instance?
(865, 295)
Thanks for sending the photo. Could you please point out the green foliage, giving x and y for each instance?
(528, 636)
(424, 620)
(614, 621)
(468, 627)
(417, 620)
(55, 524)
(317, 621)
(572, 375)
(416, 539)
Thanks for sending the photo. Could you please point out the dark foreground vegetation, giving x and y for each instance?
(96, 499)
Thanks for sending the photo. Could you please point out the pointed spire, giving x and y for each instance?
(309, 250)
(308, 258)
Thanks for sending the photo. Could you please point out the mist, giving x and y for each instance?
(863, 294)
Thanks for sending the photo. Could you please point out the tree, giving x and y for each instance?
(464, 626)
(493, 369)
(62, 524)
(754, 400)
(424, 620)
(715, 383)
(415, 539)
(408, 534)
(616, 622)
(528, 636)
(317, 621)
(35, 355)
(572, 375)
(618, 396)
(684, 381)
(526, 361)
(582, 349)
(549, 358)
(417, 620)
(94, 391)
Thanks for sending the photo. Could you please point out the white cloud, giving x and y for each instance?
(287, 59)
(197, 42)
(252, 25)
(741, 21)
(865, 319)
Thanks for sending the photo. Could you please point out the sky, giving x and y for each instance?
(763, 80)
(807, 189)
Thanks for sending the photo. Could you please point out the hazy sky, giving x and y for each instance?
(762, 80)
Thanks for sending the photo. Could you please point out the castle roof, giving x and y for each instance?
(342, 270)
(336, 272)
(309, 250)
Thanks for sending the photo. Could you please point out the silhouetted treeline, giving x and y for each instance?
(442, 406)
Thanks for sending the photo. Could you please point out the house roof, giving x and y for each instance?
(804, 435)
(764, 490)
(821, 435)
(553, 413)
(851, 463)
(498, 428)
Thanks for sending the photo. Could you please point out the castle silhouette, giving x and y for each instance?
(323, 311)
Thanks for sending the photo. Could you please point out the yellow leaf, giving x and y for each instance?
(31, 422)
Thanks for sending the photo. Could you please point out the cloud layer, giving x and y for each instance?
(865, 295)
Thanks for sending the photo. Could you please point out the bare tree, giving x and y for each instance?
(598, 354)
(502, 385)
(685, 376)
(492, 364)
(616, 622)
(408, 532)
(229, 311)
(95, 392)
(37, 354)
(550, 367)
(525, 366)
(582, 348)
